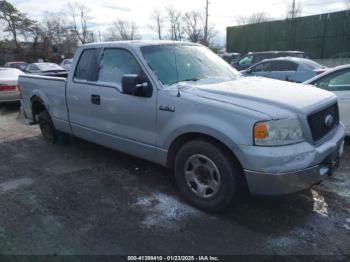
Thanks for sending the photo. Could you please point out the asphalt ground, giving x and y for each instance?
(84, 199)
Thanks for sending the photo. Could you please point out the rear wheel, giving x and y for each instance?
(48, 130)
(207, 175)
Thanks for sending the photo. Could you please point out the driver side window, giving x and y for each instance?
(263, 67)
(114, 64)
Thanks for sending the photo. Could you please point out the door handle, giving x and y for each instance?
(95, 99)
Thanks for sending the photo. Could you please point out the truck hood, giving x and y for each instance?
(272, 97)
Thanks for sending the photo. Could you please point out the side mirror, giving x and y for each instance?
(133, 85)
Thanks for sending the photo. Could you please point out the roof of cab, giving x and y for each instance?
(138, 43)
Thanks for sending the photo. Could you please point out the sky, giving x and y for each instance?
(223, 13)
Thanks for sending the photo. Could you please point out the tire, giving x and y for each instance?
(48, 130)
(207, 176)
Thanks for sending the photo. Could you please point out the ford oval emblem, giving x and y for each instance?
(329, 121)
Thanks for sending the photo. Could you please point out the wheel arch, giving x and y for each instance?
(186, 137)
(37, 106)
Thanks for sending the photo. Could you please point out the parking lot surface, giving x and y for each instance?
(82, 198)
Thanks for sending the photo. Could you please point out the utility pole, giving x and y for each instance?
(206, 22)
(293, 9)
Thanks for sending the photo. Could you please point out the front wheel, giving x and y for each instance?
(207, 175)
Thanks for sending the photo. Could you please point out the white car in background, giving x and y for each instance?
(337, 81)
(9, 91)
(67, 63)
(293, 69)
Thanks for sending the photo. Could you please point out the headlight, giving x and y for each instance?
(278, 132)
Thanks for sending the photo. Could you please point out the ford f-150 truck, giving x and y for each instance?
(180, 105)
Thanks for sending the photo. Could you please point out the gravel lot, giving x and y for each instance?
(82, 198)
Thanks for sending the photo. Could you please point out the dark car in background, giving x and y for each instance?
(231, 58)
(253, 58)
(46, 69)
(291, 69)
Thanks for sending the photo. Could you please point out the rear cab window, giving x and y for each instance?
(88, 67)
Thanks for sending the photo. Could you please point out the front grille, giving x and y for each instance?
(317, 122)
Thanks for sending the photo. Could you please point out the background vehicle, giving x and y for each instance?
(180, 105)
(231, 58)
(66, 64)
(253, 58)
(46, 69)
(9, 91)
(337, 81)
(286, 68)
(19, 65)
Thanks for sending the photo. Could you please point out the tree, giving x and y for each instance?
(211, 34)
(79, 22)
(347, 4)
(58, 32)
(158, 23)
(174, 18)
(192, 26)
(255, 18)
(294, 9)
(16, 22)
(123, 30)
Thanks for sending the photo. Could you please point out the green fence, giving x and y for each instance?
(320, 36)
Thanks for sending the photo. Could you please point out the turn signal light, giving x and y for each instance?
(260, 131)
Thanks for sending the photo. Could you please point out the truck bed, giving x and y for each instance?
(51, 90)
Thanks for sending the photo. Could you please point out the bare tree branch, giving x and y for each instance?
(174, 18)
(123, 30)
(79, 21)
(294, 9)
(255, 18)
(192, 24)
(347, 4)
(157, 20)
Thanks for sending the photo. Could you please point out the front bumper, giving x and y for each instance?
(264, 184)
(290, 169)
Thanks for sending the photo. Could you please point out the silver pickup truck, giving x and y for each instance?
(180, 105)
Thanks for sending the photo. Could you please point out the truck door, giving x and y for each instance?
(80, 86)
(121, 121)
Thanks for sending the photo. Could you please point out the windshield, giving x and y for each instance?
(49, 66)
(178, 63)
